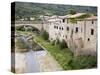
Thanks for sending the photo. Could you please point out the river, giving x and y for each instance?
(33, 61)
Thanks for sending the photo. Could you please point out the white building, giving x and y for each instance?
(80, 35)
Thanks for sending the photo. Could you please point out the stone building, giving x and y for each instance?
(79, 33)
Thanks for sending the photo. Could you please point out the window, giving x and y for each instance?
(54, 26)
(76, 29)
(92, 31)
(92, 22)
(67, 28)
(88, 39)
(63, 20)
(57, 27)
(62, 28)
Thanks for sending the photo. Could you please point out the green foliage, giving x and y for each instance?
(83, 16)
(24, 9)
(53, 42)
(30, 29)
(45, 35)
(20, 28)
(73, 20)
(21, 45)
(83, 62)
(63, 44)
(35, 46)
(72, 12)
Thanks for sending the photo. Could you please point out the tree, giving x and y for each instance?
(53, 42)
(45, 35)
(63, 44)
(72, 12)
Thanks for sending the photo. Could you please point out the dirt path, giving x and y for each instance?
(47, 63)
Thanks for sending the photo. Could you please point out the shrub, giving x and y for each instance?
(72, 12)
(63, 44)
(20, 28)
(22, 46)
(45, 35)
(83, 62)
(53, 42)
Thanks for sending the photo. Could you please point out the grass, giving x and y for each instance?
(62, 56)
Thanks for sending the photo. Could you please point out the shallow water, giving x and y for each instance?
(27, 62)
(33, 61)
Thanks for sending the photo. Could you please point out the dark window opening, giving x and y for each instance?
(59, 27)
(60, 21)
(88, 39)
(92, 22)
(62, 28)
(76, 29)
(67, 28)
(54, 26)
(92, 31)
(63, 20)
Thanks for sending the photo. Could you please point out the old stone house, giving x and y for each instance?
(80, 35)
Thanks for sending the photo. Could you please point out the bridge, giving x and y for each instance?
(38, 25)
